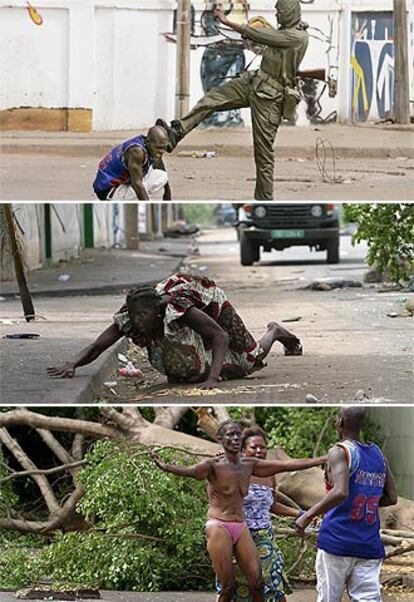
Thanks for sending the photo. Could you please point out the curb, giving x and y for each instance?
(98, 150)
(91, 383)
(105, 289)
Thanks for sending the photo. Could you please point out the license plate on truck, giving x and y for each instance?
(288, 233)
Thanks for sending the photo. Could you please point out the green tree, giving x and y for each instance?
(388, 230)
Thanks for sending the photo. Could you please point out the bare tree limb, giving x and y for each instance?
(401, 550)
(77, 446)
(170, 416)
(124, 421)
(40, 480)
(39, 471)
(134, 413)
(67, 511)
(206, 422)
(221, 413)
(328, 424)
(22, 525)
(22, 416)
(53, 444)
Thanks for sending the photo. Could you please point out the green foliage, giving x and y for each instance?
(389, 231)
(302, 432)
(16, 555)
(7, 496)
(201, 214)
(148, 530)
(148, 526)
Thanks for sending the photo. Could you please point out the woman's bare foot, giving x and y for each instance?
(290, 342)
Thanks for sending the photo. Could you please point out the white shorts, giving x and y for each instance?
(154, 181)
(359, 576)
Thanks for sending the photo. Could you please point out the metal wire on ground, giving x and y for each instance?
(324, 153)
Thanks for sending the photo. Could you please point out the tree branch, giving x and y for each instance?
(39, 471)
(222, 413)
(125, 421)
(40, 480)
(21, 416)
(169, 417)
(77, 446)
(53, 444)
(207, 423)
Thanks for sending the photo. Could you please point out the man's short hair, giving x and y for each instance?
(353, 416)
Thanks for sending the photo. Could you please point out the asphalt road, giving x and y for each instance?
(51, 176)
(350, 344)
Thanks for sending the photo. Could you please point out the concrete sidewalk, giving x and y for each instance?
(103, 271)
(63, 334)
(349, 141)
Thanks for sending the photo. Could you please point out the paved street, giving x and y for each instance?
(69, 318)
(371, 163)
(302, 595)
(350, 344)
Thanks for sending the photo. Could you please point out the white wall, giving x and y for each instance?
(110, 55)
(30, 219)
(397, 425)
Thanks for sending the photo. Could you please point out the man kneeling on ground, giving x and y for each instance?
(134, 169)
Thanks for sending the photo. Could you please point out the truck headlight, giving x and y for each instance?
(316, 210)
(260, 211)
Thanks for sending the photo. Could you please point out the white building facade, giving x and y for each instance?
(106, 64)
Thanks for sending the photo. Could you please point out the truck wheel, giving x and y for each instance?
(332, 248)
(249, 250)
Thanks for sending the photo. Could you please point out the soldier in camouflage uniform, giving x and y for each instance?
(268, 91)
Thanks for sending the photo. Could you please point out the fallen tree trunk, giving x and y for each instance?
(129, 428)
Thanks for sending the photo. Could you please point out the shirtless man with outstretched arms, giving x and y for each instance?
(228, 479)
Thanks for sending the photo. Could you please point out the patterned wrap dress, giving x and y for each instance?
(183, 355)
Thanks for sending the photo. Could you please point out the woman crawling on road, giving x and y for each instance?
(191, 332)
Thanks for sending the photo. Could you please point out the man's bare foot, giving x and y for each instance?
(290, 342)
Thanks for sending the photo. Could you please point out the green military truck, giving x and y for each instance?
(270, 226)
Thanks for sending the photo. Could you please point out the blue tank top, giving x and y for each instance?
(112, 170)
(352, 528)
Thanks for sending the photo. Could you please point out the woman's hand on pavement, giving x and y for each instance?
(65, 371)
(210, 383)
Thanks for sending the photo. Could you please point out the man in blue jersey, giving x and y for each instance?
(134, 169)
(358, 482)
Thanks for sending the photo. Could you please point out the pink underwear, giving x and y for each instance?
(233, 529)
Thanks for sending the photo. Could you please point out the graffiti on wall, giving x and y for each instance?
(224, 60)
(34, 14)
(224, 57)
(315, 94)
(372, 64)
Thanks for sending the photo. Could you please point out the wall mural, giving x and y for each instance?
(372, 64)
